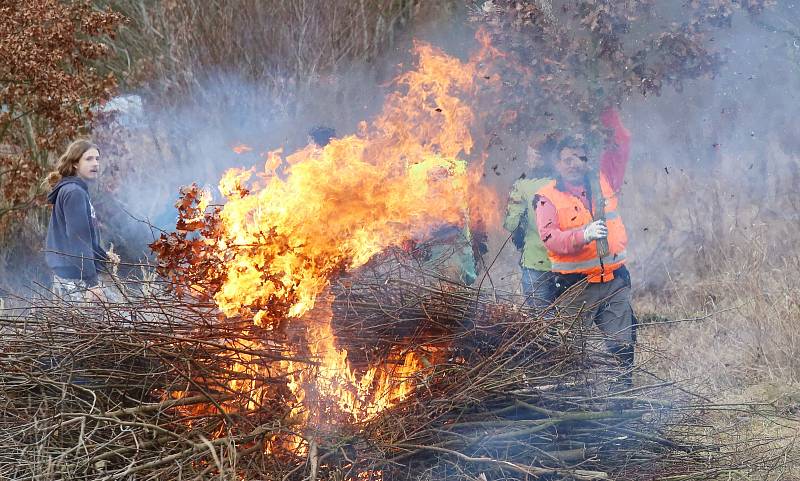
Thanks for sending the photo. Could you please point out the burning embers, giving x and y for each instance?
(332, 390)
(269, 254)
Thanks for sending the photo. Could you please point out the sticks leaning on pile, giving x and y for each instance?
(129, 388)
(141, 388)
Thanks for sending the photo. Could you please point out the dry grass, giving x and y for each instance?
(733, 336)
(721, 273)
(719, 294)
(174, 46)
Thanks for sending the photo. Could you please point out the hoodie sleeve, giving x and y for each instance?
(79, 233)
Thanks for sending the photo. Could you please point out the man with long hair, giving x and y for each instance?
(73, 250)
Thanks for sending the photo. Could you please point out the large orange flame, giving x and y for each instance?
(322, 210)
(286, 231)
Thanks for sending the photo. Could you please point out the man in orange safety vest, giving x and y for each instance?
(566, 218)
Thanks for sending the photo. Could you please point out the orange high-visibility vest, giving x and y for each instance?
(573, 214)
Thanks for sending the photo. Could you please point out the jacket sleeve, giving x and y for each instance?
(79, 233)
(516, 207)
(562, 242)
(100, 254)
(618, 148)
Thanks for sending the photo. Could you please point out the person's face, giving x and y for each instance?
(89, 165)
(572, 164)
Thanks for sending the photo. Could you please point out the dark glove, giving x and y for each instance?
(518, 236)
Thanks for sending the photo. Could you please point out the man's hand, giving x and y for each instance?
(595, 230)
(94, 294)
(113, 257)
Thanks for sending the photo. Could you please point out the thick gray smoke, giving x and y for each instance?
(718, 154)
(194, 139)
(710, 164)
(718, 160)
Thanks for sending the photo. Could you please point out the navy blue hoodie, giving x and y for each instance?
(73, 242)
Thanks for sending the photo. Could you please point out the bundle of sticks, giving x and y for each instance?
(151, 386)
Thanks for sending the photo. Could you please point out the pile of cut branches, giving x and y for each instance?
(146, 386)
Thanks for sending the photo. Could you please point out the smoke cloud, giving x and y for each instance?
(720, 154)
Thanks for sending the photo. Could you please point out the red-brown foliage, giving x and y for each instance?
(49, 86)
(572, 59)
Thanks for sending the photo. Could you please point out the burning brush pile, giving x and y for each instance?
(308, 328)
(413, 379)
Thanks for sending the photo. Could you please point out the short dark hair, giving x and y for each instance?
(322, 135)
(570, 142)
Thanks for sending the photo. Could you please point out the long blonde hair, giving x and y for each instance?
(67, 164)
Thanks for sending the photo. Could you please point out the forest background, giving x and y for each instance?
(707, 87)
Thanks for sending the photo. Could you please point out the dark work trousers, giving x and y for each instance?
(608, 306)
